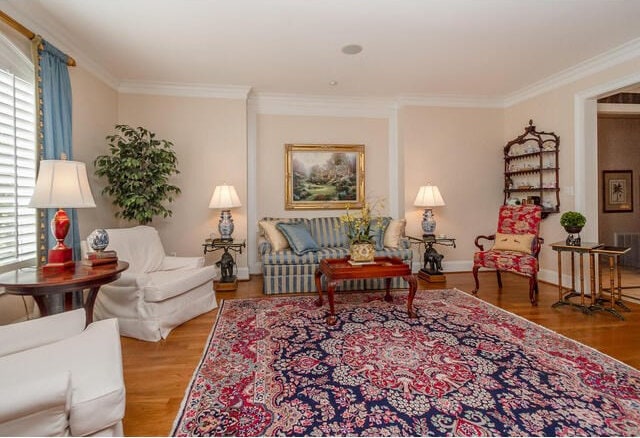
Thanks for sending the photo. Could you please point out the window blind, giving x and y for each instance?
(17, 171)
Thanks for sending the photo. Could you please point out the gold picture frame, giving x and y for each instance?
(324, 176)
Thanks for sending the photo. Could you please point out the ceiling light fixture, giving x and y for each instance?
(333, 83)
(352, 49)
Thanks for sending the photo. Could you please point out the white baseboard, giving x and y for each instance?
(243, 273)
(455, 266)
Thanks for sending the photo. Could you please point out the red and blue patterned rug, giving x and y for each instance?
(464, 367)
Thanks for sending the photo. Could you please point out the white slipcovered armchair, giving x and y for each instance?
(59, 378)
(158, 292)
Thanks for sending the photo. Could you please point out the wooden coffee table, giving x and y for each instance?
(336, 270)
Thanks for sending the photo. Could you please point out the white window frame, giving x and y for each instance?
(18, 160)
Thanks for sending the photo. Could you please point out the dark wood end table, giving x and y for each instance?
(32, 281)
(228, 280)
(336, 270)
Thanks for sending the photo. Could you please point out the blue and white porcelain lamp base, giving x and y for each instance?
(225, 226)
(428, 222)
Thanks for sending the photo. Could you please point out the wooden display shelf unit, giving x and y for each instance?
(531, 167)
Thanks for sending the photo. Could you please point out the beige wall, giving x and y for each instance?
(274, 131)
(209, 137)
(554, 111)
(619, 149)
(460, 151)
(95, 111)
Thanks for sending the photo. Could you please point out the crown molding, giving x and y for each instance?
(314, 105)
(450, 101)
(598, 63)
(185, 90)
(34, 18)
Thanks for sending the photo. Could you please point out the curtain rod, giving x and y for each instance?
(29, 34)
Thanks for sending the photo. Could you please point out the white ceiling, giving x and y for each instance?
(465, 48)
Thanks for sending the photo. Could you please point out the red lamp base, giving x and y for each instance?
(60, 256)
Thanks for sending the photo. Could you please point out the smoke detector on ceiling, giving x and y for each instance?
(352, 49)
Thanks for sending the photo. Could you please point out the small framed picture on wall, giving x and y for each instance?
(617, 191)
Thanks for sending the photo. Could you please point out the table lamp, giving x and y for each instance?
(61, 184)
(225, 198)
(428, 196)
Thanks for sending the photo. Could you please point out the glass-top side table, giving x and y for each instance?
(432, 260)
(228, 279)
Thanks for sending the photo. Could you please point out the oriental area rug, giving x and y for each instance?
(273, 366)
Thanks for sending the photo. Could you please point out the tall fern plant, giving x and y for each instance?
(138, 168)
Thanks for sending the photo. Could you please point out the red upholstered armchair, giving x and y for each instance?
(516, 246)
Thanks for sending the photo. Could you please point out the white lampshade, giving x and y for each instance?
(224, 197)
(62, 184)
(429, 196)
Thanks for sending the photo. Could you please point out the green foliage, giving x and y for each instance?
(138, 168)
(359, 228)
(572, 219)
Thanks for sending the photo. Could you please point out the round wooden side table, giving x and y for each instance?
(32, 281)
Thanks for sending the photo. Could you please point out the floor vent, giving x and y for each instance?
(632, 258)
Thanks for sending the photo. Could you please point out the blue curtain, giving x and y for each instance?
(55, 113)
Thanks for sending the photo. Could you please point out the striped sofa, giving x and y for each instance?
(285, 272)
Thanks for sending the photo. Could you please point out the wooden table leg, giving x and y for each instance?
(573, 272)
(42, 306)
(331, 287)
(612, 280)
(592, 277)
(413, 287)
(387, 296)
(68, 301)
(88, 305)
(318, 274)
(581, 256)
(559, 276)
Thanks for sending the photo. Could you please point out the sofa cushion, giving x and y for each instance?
(328, 232)
(288, 257)
(163, 285)
(140, 246)
(299, 237)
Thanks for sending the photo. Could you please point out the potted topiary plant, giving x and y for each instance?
(138, 168)
(572, 221)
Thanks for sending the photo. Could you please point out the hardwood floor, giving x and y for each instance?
(157, 373)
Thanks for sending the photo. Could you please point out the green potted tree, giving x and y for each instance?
(573, 221)
(138, 168)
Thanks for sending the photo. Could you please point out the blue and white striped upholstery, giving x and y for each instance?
(328, 232)
(285, 272)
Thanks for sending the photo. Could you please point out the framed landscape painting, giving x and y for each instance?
(617, 188)
(324, 176)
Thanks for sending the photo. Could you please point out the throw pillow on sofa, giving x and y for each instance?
(275, 237)
(299, 237)
(393, 233)
(378, 231)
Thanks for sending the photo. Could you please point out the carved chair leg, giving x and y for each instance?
(475, 277)
(499, 279)
(533, 286)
